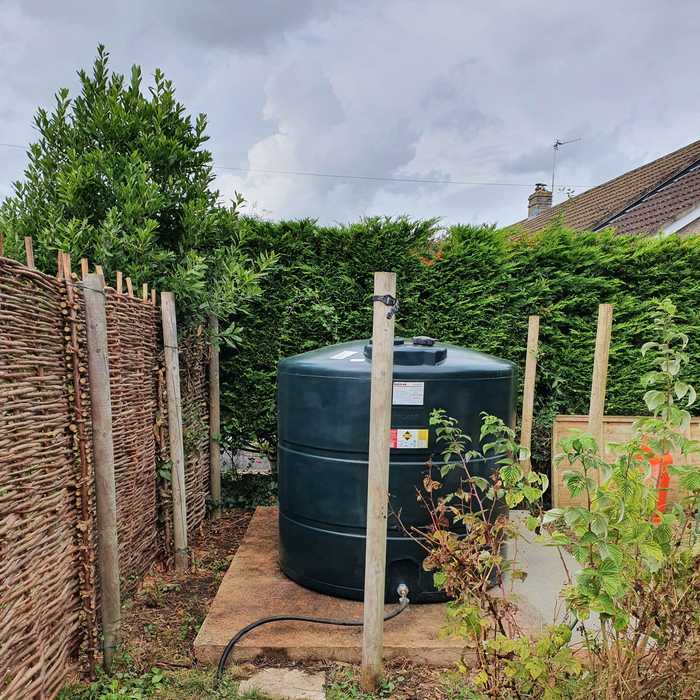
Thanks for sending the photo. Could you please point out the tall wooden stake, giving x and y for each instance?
(177, 451)
(29, 250)
(378, 482)
(105, 491)
(596, 410)
(214, 417)
(533, 333)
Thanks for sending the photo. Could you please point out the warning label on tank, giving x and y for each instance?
(408, 393)
(409, 438)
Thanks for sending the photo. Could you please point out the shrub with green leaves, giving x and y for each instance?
(640, 564)
(635, 596)
(120, 175)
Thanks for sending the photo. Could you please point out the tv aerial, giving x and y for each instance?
(555, 150)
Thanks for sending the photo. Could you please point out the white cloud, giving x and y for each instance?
(398, 88)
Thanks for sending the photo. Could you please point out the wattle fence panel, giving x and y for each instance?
(49, 603)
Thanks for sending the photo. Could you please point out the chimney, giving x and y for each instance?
(539, 200)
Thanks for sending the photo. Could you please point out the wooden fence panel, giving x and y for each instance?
(48, 596)
(616, 429)
(133, 346)
(40, 603)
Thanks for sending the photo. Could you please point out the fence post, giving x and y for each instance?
(533, 332)
(177, 451)
(596, 409)
(214, 417)
(29, 250)
(378, 481)
(105, 490)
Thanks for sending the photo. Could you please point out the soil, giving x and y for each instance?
(160, 622)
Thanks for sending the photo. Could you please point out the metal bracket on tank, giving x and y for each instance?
(388, 300)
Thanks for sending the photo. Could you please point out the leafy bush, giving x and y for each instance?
(122, 178)
(639, 562)
(248, 490)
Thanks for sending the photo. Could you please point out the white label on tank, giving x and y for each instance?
(357, 359)
(343, 355)
(408, 393)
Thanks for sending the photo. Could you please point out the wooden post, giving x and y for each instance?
(596, 409)
(144, 291)
(130, 287)
(29, 250)
(67, 268)
(177, 452)
(154, 296)
(214, 417)
(84, 268)
(120, 286)
(103, 458)
(378, 482)
(533, 332)
(101, 274)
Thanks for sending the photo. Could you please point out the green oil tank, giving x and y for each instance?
(323, 402)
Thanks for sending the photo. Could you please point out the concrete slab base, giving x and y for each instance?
(286, 684)
(254, 587)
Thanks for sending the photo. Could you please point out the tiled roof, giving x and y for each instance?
(598, 206)
(662, 207)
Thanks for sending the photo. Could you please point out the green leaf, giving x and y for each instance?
(610, 551)
(652, 551)
(654, 399)
(552, 515)
(599, 525)
(574, 481)
(532, 523)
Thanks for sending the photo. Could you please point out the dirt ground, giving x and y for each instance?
(160, 623)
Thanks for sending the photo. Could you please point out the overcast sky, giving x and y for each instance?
(439, 90)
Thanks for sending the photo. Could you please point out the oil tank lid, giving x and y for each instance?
(420, 351)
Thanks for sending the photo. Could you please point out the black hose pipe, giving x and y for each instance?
(402, 591)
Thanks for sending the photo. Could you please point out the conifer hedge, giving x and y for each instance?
(472, 286)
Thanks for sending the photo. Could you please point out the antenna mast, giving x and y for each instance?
(555, 150)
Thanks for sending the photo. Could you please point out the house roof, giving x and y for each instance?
(643, 199)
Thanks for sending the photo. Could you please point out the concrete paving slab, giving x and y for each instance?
(546, 575)
(254, 587)
(286, 684)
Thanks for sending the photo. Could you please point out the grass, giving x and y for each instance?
(183, 684)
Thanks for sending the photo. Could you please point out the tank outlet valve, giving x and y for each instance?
(402, 591)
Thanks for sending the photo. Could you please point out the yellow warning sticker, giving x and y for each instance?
(409, 438)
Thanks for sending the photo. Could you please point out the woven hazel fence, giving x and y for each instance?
(48, 608)
(40, 604)
(132, 337)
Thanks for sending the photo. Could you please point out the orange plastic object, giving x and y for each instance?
(660, 477)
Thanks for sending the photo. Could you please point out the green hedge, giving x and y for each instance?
(473, 286)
